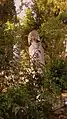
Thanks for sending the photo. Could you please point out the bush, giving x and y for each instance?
(17, 104)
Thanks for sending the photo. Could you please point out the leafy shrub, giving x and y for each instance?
(17, 104)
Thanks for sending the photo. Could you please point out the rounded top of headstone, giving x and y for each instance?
(33, 35)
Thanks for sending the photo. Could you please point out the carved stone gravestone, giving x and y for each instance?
(36, 51)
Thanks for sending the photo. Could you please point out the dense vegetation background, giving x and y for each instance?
(23, 96)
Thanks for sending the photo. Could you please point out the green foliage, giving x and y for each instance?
(35, 97)
(12, 101)
(7, 11)
(29, 17)
(58, 74)
(17, 102)
(52, 34)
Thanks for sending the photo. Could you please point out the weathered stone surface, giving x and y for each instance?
(36, 50)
